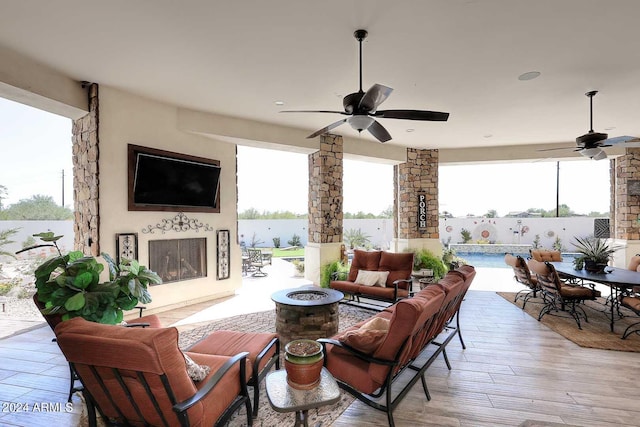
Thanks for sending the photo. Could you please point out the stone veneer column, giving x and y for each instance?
(625, 207)
(325, 206)
(419, 175)
(85, 178)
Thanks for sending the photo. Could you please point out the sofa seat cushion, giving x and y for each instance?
(230, 343)
(350, 369)
(345, 286)
(230, 383)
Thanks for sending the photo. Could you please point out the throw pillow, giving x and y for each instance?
(195, 371)
(372, 278)
(368, 337)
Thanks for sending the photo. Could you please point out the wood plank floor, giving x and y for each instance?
(515, 369)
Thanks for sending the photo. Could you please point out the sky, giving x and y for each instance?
(36, 148)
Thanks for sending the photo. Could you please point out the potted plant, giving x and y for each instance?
(594, 254)
(69, 285)
(303, 360)
(424, 259)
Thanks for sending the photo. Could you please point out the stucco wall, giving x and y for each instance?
(128, 119)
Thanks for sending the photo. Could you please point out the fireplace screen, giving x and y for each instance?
(178, 259)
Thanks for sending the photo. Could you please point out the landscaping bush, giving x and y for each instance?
(425, 259)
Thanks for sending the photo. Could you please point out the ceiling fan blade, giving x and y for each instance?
(314, 111)
(561, 148)
(327, 129)
(375, 96)
(620, 139)
(377, 130)
(432, 116)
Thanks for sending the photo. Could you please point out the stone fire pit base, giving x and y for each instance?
(307, 312)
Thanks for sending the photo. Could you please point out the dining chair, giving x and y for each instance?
(561, 296)
(631, 301)
(256, 261)
(522, 275)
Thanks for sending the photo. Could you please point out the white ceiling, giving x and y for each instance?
(460, 56)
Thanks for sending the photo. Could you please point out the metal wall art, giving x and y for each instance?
(178, 223)
(223, 256)
(126, 246)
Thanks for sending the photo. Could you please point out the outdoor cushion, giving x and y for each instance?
(372, 278)
(363, 260)
(368, 337)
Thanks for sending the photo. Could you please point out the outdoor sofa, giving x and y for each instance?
(381, 358)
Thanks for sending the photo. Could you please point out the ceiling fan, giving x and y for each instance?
(591, 143)
(362, 107)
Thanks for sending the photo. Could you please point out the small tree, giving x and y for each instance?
(466, 235)
(536, 242)
(276, 242)
(255, 241)
(355, 238)
(295, 240)
(4, 240)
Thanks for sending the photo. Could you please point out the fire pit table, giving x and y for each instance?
(307, 312)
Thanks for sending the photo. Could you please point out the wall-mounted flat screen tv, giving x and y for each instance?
(165, 181)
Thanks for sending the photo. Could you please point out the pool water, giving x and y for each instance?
(497, 260)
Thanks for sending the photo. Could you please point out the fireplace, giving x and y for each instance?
(178, 259)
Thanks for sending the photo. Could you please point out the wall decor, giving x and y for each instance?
(223, 256)
(126, 246)
(178, 223)
(422, 211)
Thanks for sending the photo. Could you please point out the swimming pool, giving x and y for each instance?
(488, 260)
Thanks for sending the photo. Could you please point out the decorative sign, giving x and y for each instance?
(178, 223)
(223, 257)
(422, 211)
(126, 246)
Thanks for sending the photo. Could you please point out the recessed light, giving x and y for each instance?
(487, 135)
(410, 130)
(530, 75)
(610, 128)
(279, 102)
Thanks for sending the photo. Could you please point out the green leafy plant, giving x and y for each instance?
(70, 284)
(425, 259)
(328, 270)
(276, 242)
(295, 240)
(594, 250)
(536, 242)
(466, 235)
(355, 238)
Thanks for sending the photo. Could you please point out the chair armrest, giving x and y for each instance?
(355, 352)
(409, 282)
(339, 275)
(137, 325)
(214, 380)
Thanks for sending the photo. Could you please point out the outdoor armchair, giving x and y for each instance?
(139, 376)
(523, 275)
(558, 295)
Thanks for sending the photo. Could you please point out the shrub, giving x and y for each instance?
(466, 235)
(328, 269)
(295, 240)
(425, 259)
(276, 242)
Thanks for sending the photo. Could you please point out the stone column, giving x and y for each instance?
(325, 206)
(416, 202)
(85, 155)
(625, 205)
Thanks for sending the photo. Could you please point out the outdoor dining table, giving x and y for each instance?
(618, 279)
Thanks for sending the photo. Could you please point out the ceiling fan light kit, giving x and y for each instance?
(362, 107)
